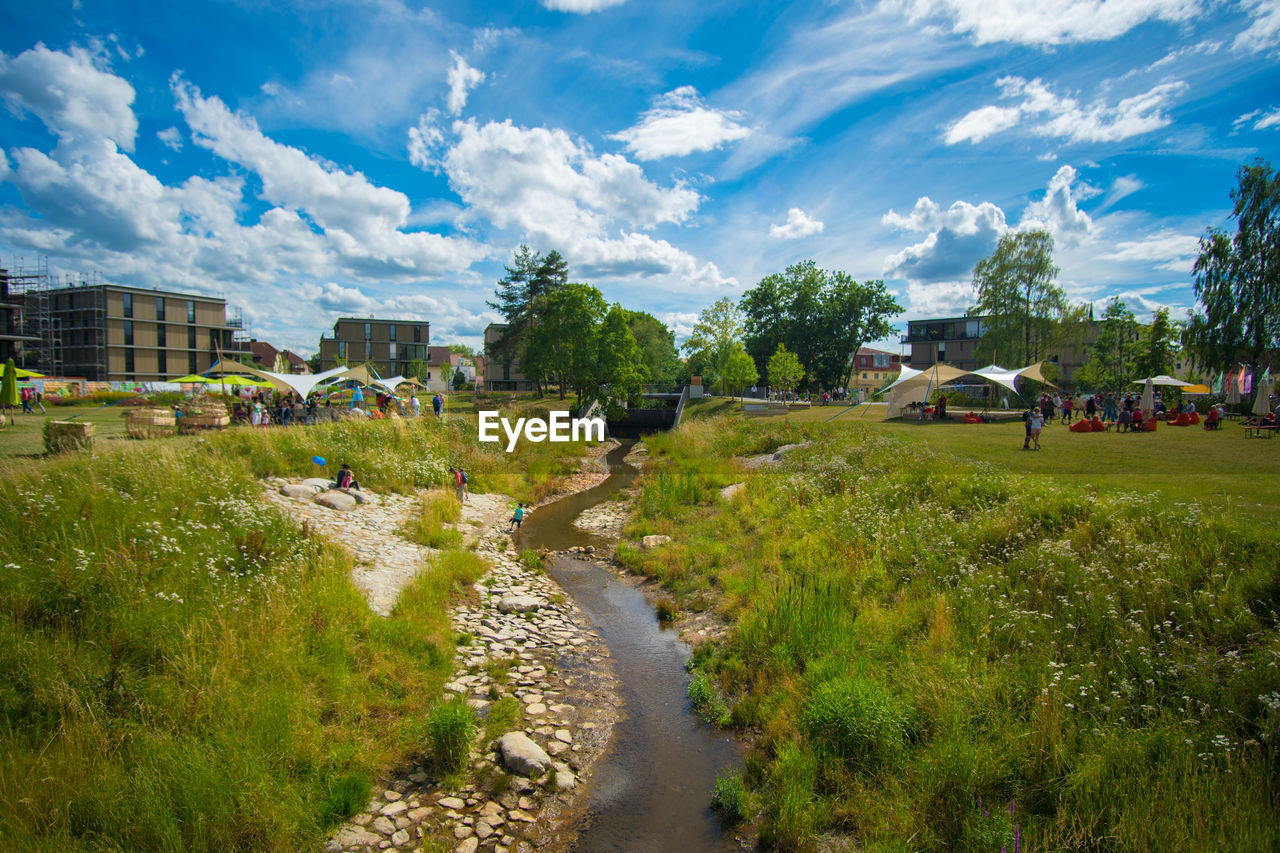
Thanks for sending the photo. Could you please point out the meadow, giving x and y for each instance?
(929, 651)
(184, 668)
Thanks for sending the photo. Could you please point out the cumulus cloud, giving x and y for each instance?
(958, 238)
(558, 191)
(335, 298)
(1050, 22)
(940, 299)
(1263, 34)
(581, 7)
(462, 79)
(678, 124)
(70, 93)
(171, 137)
(426, 142)
(1168, 250)
(1058, 212)
(1048, 114)
(798, 224)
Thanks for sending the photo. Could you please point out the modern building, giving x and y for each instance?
(952, 340)
(388, 346)
(873, 368)
(502, 361)
(117, 333)
(15, 342)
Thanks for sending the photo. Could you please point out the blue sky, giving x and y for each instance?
(315, 159)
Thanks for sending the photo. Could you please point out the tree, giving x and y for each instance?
(718, 328)
(1159, 346)
(530, 279)
(618, 361)
(657, 346)
(446, 374)
(513, 293)
(1018, 297)
(822, 316)
(561, 347)
(1113, 352)
(740, 370)
(463, 349)
(417, 369)
(1237, 278)
(785, 371)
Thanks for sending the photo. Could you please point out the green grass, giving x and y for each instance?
(183, 668)
(25, 438)
(435, 509)
(930, 651)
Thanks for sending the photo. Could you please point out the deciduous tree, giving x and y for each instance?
(718, 328)
(1017, 295)
(785, 370)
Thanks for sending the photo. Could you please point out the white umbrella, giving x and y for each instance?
(1233, 387)
(1262, 403)
(1163, 379)
(1148, 402)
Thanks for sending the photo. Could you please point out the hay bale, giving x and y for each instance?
(67, 435)
(201, 413)
(149, 422)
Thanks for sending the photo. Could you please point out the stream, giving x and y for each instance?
(651, 789)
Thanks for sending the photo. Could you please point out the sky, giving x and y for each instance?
(312, 159)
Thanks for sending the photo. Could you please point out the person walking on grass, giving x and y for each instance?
(413, 401)
(457, 483)
(466, 484)
(1036, 424)
(516, 518)
(437, 404)
(1026, 429)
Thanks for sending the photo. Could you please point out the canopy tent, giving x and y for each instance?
(301, 383)
(1034, 372)
(190, 378)
(1233, 387)
(392, 383)
(914, 386)
(1162, 379)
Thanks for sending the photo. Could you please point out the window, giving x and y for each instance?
(128, 304)
(128, 363)
(391, 352)
(368, 332)
(391, 331)
(128, 333)
(191, 362)
(159, 307)
(191, 338)
(864, 374)
(417, 334)
(368, 349)
(161, 336)
(191, 313)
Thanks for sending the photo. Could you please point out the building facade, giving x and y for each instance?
(502, 371)
(116, 333)
(873, 368)
(16, 342)
(950, 340)
(388, 346)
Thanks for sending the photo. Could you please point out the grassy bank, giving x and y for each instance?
(183, 668)
(934, 655)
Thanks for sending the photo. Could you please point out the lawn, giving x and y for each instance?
(1225, 470)
(26, 436)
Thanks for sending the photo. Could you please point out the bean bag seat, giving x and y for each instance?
(1194, 418)
(1097, 425)
(1149, 425)
(1081, 426)
(1183, 420)
(972, 419)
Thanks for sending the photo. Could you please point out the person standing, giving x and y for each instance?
(414, 404)
(466, 484)
(1037, 424)
(1026, 429)
(457, 483)
(357, 398)
(437, 404)
(517, 517)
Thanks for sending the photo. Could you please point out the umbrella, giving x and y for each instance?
(241, 381)
(1148, 402)
(1233, 388)
(1261, 405)
(28, 374)
(1195, 389)
(191, 377)
(1162, 379)
(9, 387)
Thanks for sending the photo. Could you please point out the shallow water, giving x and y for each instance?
(650, 791)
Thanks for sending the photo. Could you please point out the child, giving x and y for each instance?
(517, 518)
(346, 478)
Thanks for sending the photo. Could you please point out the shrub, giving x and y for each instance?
(346, 796)
(729, 797)
(857, 720)
(707, 700)
(451, 726)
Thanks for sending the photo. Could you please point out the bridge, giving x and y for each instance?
(664, 410)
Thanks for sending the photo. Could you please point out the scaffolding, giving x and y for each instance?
(71, 336)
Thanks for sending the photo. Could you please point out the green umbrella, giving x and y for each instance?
(191, 377)
(9, 388)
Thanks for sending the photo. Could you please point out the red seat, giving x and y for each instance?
(1081, 426)
(1195, 418)
(1097, 425)
(1183, 419)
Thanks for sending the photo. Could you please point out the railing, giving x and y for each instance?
(684, 398)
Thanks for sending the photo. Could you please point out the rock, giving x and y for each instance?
(654, 541)
(535, 709)
(362, 497)
(520, 604)
(728, 492)
(383, 825)
(522, 756)
(461, 832)
(483, 830)
(317, 484)
(556, 748)
(563, 735)
(451, 803)
(297, 490)
(400, 837)
(391, 796)
(336, 500)
(468, 846)
(565, 780)
(393, 809)
(787, 448)
(518, 815)
(354, 837)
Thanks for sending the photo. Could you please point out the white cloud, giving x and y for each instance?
(678, 124)
(462, 79)
(1048, 22)
(1261, 120)
(558, 192)
(1057, 211)
(959, 237)
(171, 137)
(1264, 33)
(798, 224)
(939, 299)
(1049, 114)
(426, 142)
(1168, 250)
(69, 93)
(333, 297)
(581, 7)
(680, 322)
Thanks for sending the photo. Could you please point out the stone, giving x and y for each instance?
(336, 500)
(391, 796)
(520, 604)
(461, 832)
(728, 492)
(483, 830)
(418, 815)
(317, 484)
(522, 756)
(468, 846)
(354, 837)
(393, 809)
(565, 780)
(556, 748)
(400, 837)
(563, 735)
(451, 803)
(491, 809)
(654, 541)
(361, 496)
(521, 816)
(535, 709)
(383, 825)
(297, 490)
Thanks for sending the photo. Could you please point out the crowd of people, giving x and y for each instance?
(258, 407)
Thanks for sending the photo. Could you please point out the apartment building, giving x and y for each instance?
(388, 346)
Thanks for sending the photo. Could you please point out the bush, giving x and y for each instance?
(729, 797)
(451, 726)
(859, 721)
(346, 796)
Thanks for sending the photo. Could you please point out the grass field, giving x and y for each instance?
(25, 438)
(930, 653)
(1224, 469)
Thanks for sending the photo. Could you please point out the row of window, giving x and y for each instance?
(160, 315)
(406, 352)
(166, 360)
(162, 335)
(391, 332)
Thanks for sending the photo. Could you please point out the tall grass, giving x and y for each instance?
(914, 636)
(182, 668)
(427, 526)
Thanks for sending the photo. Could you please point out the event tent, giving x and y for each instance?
(301, 383)
(1163, 379)
(914, 386)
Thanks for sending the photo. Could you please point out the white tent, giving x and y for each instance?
(999, 375)
(301, 383)
(1163, 379)
(914, 386)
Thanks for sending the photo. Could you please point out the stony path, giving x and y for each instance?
(522, 638)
